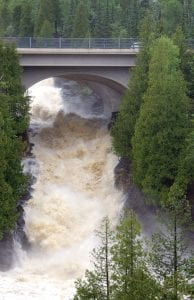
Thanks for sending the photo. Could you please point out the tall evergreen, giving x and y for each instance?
(170, 256)
(123, 128)
(16, 19)
(5, 18)
(46, 14)
(96, 284)
(13, 122)
(163, 123)
(130, 276)
(26, 26)
(81, 26)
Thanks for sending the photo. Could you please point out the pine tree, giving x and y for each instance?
(163, 124)
(46, 30)
(26, 27)
(170, 257)
(96, 284)
(46, 14)
(81, 27)
(4, 18)
(8, 213)
(187, 59)
(13, 123)
(172, 13)
(16, 19)
(123, 129)
(70, 18)
(131, 279)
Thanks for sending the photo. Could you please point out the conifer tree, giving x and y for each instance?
(123, 129)
(170, 257)
(4, 17)
(46, 30)
(96, 284)
(130, 276)
(13, 122)
(16, 19)
(26, 27)
(81, 27)
(46, 14)
(163, 123)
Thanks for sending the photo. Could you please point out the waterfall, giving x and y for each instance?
(74, 189)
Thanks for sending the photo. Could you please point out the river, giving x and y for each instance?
(73, 165)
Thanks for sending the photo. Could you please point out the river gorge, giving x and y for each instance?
(72, 165)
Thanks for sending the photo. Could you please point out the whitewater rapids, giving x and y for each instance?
(74, 189)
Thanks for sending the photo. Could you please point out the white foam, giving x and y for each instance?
(74, 189)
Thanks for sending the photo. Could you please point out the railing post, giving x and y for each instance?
(119, 43)
(60, 43)
(30, 42)
(89, 43)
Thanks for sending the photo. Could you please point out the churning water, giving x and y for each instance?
(74, 189)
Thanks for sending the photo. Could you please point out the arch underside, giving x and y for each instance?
(116, 79)
(110, 84)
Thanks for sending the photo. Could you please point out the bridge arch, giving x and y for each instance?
(115, 80)
(109, 85)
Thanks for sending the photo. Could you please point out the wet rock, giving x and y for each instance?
(19, 233)
(113, 119)
(135, 199)
(6, 251)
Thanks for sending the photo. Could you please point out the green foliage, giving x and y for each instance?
(13, 123)
(123, 129)
(45, 17)
(81, 28)
(109, 18)
(187, 60)
(97, 282)
(130, 276)
(26, 26)
(47, 29)
(122, 255)
(163, 124)
(170, 257)
(171, 14)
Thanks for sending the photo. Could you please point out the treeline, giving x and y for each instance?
(92, 18)
(128, 267)
(13, 124)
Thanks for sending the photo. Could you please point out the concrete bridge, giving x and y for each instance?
(111, 67)
(104, 64)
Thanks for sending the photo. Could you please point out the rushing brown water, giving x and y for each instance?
(74, 189)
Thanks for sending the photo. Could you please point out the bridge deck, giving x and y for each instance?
(76, 51)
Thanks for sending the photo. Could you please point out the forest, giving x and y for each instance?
(154, 130)
(92, 18)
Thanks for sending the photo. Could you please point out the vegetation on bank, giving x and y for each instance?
(128, 267)
(13, 124)
(154, 128)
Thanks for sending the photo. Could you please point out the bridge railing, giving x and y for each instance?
(75, 43)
